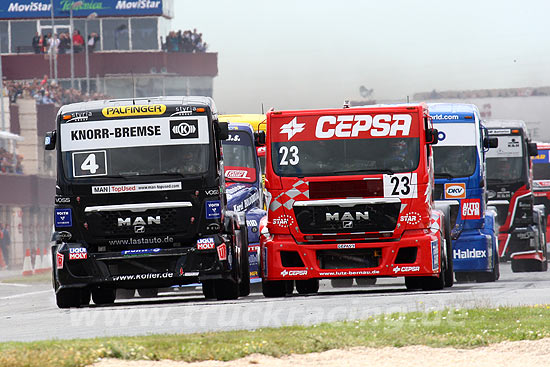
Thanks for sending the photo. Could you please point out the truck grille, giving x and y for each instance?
(106, 224)
(348, 259)
(375, 217)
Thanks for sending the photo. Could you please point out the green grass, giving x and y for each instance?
(39, 278)
(457, 328)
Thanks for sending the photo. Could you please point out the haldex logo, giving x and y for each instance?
(184, 129)
(347, 216)
(469, 254)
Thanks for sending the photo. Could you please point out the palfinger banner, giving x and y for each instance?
(141, 132)
(27, 9)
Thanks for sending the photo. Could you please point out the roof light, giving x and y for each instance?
(515, 131)
(200, 109)
(66, 117)
(468, 117)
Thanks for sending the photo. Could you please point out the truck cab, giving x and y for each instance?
(522, 233)
(460, 181)
(244, 189)
(140, 202)
(349, 195)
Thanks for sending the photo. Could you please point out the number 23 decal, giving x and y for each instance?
(289, 155)
(402, 185)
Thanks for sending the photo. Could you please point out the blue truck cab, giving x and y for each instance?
(460, 181)
(243, 180)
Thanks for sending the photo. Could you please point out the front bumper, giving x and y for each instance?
(413, 255)
(154, 269)
(473, 251)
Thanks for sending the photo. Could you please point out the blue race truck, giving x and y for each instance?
(460, 181)
(243, 179)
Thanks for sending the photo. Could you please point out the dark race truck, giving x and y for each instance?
(140, 201)
(459, 158)
(522, 233)
(243, 179)
(350, 196)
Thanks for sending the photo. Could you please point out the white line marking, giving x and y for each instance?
(15, 285)
(25, 294)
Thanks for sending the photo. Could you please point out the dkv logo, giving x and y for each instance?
(455, 191)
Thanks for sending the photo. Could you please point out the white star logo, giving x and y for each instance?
(292, 128)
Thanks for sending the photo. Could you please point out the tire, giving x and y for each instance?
(517, 266)
(341, 282)
(487, 277)
(226, 289)
(67, 298)
(244, 285)
(307, 286)
(413, 283)
(289, 287)
(277, 288)
(125, 293)
(209, 289)
(447, 260)
(148, 292)
(102, 296)
(365, 282)
(463, 277)
(84, 297)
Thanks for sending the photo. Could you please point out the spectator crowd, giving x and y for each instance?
(186, 41)
(9, 163)
(61, 44)
(46, 91)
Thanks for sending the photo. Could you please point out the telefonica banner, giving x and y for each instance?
(25, 9)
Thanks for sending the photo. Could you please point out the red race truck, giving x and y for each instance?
(350, 196)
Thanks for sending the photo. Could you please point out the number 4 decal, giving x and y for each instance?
(402, 185)
(91, 163)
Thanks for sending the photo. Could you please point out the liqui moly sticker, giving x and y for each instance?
(205, 243)
(59, 258)
(222, 252)
(471, 209)
(78, 253)
(121, 189)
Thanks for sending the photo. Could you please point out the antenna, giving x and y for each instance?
(407, 99)
(262, 108)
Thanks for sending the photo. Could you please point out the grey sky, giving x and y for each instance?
(316, 53)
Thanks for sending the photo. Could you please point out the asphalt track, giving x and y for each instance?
(28, 312)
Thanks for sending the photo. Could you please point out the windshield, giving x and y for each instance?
(135, 147)
(239, 158)
(504, 169)
(333, 157)
(541, 171)
(454, 161)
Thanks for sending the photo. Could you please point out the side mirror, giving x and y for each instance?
(490, 143)
(259, 137)
(432, 136)
(223, 130)
(532, 149)
(49, 140)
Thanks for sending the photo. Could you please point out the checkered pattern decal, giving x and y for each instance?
(299, 191)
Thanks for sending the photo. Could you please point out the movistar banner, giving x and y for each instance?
(25, 9)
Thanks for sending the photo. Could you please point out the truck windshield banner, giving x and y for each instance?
(508, 146)
(307, 128)
(134, 133)
(456, 134)
(26, 9)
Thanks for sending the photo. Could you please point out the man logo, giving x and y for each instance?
(187, 129)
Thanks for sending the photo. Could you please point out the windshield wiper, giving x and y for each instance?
(361, 171)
